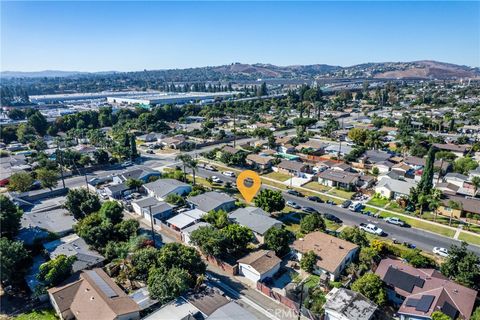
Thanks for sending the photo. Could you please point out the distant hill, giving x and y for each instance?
(238, 71)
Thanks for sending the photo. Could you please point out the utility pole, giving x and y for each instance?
(234, 127)
(301, 301)
(151, 224)
(60, 154)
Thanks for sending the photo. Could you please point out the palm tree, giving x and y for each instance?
(192, 164)
(476, 185)
(185, 159)
(434, 201)
(453, 205)
(374, 140)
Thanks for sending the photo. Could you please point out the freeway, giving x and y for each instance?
(422, 239)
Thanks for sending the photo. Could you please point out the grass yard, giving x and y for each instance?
(469, 238)
(316, 186)
(277, 176)
(395, 207)
(312, 281)
(341, 193)
(379, 202)
(373, 210)
(332, 225)
(45, 314)
(422, 225)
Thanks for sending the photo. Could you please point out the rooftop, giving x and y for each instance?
(350, 304)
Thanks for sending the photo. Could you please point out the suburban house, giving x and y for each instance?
(143, 174)
(420, 292)
(458, 207)
(73, 245)
(393, 189)
(457, 179)
(259, 265)
(36, 225)
(187, 232)
(161, 188)
(344, 304)
(185, 219)
(292, 167)
(212, 201)
(384, 166)
(259, 163)
(227, 149)
(333, 254)
(456, 149)
(315, 147)
(175, 142)
(159, 212)
(150, 137)
(256, 220)
(92, 295)
(340, 179)
(418, 163)
(116, 190)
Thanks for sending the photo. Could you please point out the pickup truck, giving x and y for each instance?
(395, 221)
(371, 228)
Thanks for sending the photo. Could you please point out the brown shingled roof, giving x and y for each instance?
(261, 260)
(331, 251)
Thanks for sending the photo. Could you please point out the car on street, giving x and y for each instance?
(216, 179)
(371, 228)
(228, 174)
(315, 199)
(150, 151)
(210, 167)
(355, 207)
(333, 218)
(440, 251)
(293, 205)
(346, 204)
(330, 202)
(395, 221)
(309, 210)
(127, 163)
(295, 193)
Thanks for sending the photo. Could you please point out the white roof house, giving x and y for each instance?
(392, 188)
(343, 304)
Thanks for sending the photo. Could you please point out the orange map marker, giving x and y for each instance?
(248, 192)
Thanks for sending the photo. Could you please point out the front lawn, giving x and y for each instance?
(469, 238)
(341, 193)
(378, 202)
(277, 176)
(395, 207)
(316, 186)
(45, 314)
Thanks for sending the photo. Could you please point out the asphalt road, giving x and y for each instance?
(422, 239)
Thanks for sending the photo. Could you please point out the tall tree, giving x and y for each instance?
(426, 182)
(463, 266)
(371, 286)
(10, 216)
(20, 181)
(270, 200)
(15, 261)
(48, 178)
(278, 240)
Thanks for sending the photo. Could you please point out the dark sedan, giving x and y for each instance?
(315, 199)
(333, 218)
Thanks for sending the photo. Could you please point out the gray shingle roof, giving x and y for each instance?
(210, 200)
(163, 187)
(254, 218)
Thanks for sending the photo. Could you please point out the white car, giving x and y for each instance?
(293, 205)
(371, 228)
(216, 179)
(395, 221)
(440, 251)
(228, 174)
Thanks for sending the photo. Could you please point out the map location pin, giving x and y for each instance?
(254, 183)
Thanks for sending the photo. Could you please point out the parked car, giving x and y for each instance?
(228, 174)
(295, 193)
(210, 167)
(331, 202)
(346, 204)
(333, 218)
(395, 221)
(371, 228)
(128, 163)
(355, 207)
(409, 245)
(440, 251)
(150, 151)
(216, 179)
(293, 205)
(309, 210)
(315, 199)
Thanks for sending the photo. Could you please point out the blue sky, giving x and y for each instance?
(123, 36)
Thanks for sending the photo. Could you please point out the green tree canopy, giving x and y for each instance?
(237, 237)
(181, 256)
(56, 270)
(462, 265)
(308, 261)
(270, 200)
(312, 222)
(48, 178)
(142, 261)
(10, 216)
(112, 210)
(80, 203)
(209, 239)
(14, 262)
(355, 235)
(439, 315)
(465, 165)
(217, 218)
(278, 240)
(167, 285)
(20, 181)
(371, 286)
